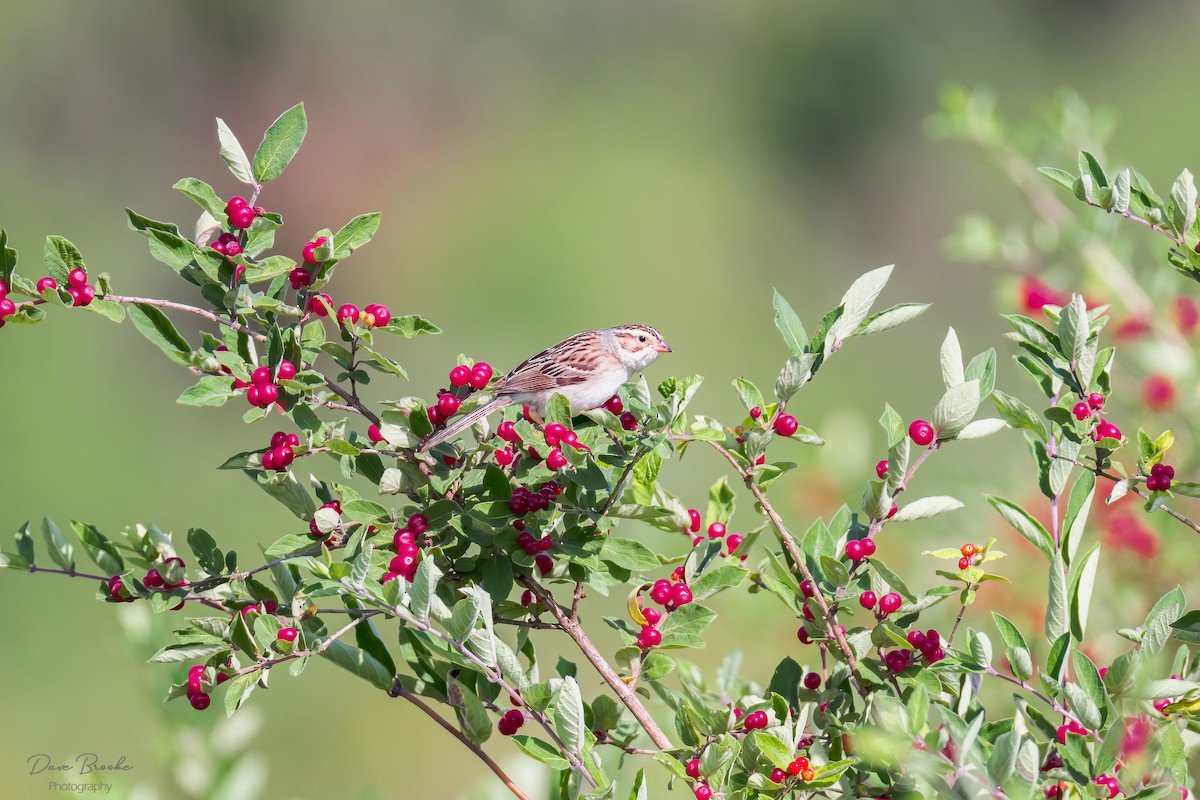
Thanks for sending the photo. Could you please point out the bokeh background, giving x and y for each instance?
(541, 167)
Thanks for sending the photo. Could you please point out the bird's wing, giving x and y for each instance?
(565, 364)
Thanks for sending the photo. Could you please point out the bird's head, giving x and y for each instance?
(636, 345)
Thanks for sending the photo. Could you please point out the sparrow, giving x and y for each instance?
(587, 369)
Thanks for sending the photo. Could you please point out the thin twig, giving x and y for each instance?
(1100, 473)
(1054, 704)
(398, 690)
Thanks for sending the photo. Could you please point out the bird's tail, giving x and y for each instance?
(465, 421)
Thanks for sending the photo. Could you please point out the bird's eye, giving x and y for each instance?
(642, 338)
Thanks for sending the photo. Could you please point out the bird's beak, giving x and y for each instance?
(662, 347)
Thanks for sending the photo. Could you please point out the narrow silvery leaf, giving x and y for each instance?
(956, 408)
(952, 363)
(927, 507)
(1058, 618)
(423, 588)
(1120, 202)
(280, 143)
(890, 318)
(1073, 327)
(233, 154)
(789, 325)
(1079, 505)
(980, 428)
(568, 715)
(1183, 203)
(857, 302)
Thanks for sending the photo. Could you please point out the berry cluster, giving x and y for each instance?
(241, 214)
(408, 552)
(511, 722)
(971, 554)
(716, 530)
(467, 379)
(670, 594)
(524, 501)
(373, 316)
(929, 643)
(117, 591)
(227, 244)
(279, 456)
(538, 548)
(7, 306)
(1103, 428)
(196, 684)
(1160, 477)
(155, 580)
(858, 549)
(262, 391)
(799, 768)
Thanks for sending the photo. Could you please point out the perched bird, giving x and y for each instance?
(586, 368)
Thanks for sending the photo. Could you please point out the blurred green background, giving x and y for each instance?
(542, 168)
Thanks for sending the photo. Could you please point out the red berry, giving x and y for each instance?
(260, 376)
(806, 588)
(45, 283)
(346, 313)
(614, 405)
(881, 469)
(628, 422)
(282, 456)
(1095, 400)
(287, 634)
(854, 550)
(1158, 393)
(812, 681)
(460, 375)
(544, 563)
(556, 460)
(694, 517)
(320, 304)
(692, 768)
(267, 394)
(652, 616)
(152, 580)
(660, 592)
(756, 720)
(868, 547)
(504, 456)
(507, 431)
(418, 523)
(236, 202)
(716, 530)
(381, 313)
(889, 603)
(1081, 411)
(867, 600)
(649, 637)
(309, 253)
(77, 278)
(286, 371)
(554, 433)
(802, 635)
(778, 775)
(199, 700)
(481, 375)
(786, 425)
(300, 277)
(964, 562)
(755, 412)
(702, 792)
(969, 550)
(921, 432)
(892, 511)
(8, 307)
(4, 288)
(681, 595)
(1106, 430)
(448, 404)
(232, 249)
(734, 541)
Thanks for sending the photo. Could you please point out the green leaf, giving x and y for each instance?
(1079, 505)
(1183, 203)
(957, 407)
(1060, 176)
(60, 549)
(1083, 578)
(795, 372)
(423, 589)
(61, 257)
(1015, 647)
(233, 154)
(890, 318)
(238, 691)
(1024, 523)
(926, 507)
(359, 662)
(717, 580)
(1058, 621)
(720, 502)
(210, 390)
(857, 304)
(951, 358)
(280, 143)
(980, 428)
(1158, 622)
(175, 653)
(284, 487)
(410, 326)
(628, 554)
(99, 548)
(778, 753)
(203, 195)
(789, 325)
(1090, 680)
(1017, 414)
(154, 325)
(639, 789)
(568, 715)
(113, 312)
(472, 716)
(541, 751)
(983, 369)
(355, 233)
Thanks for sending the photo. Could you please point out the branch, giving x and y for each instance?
(1054, 704)
(398, 690)
(622, 690)
(311, 651)
(793, 549)
(1100, 473)
(199, 312)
